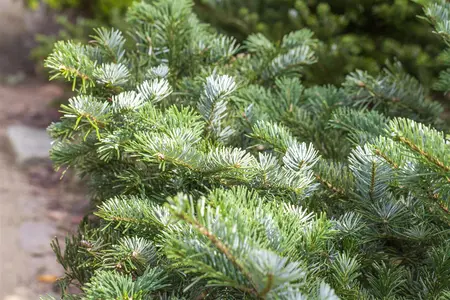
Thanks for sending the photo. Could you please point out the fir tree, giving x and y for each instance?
(218, 175)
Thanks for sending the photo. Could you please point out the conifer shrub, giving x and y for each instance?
(215, 174)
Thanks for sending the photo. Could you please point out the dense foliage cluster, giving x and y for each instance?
(353, 34)
(218, 175)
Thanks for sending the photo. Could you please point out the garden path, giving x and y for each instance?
(35, 205)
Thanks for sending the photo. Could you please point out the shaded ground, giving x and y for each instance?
(34, 203)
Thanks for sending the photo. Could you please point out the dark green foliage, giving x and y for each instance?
(355, 34)
(219, 175)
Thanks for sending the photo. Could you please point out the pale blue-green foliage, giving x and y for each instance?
(275, 135)
(282, 271)
(161, 71)
(85, 106)
(300, 157)
(299, 37)
(155, 90)
(280, 65)
(105, 60)
(111, 74)
(372, 174)
(393, 92)
(213, 104)
(127, 101)
(252, 257)
(131, 252)
(221, 176)
(112, 285)
(296, 51)
(111, 43)
(243, 260)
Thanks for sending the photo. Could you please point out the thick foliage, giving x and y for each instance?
(218, 175)
(353, 34)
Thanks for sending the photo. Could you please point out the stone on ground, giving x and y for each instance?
(35, 237)
(29, 144)
(20, 293)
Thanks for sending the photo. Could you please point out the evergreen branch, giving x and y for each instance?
(298, 157)
(112, 42)
(334, 176)
(329, 185)
(268, 286)
(218, 244)
(278, 136)
(71, 61)
(155, 90)
(433, 149)
(221, 247)
(292, 61)
(371, 173)
(394, 153)
(213, 103)
(112, 74)
(386, 158)
(424, 154)
(133, 211)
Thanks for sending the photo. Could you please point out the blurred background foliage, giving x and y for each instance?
(98, 9)
(361, 34)
(76, 20)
